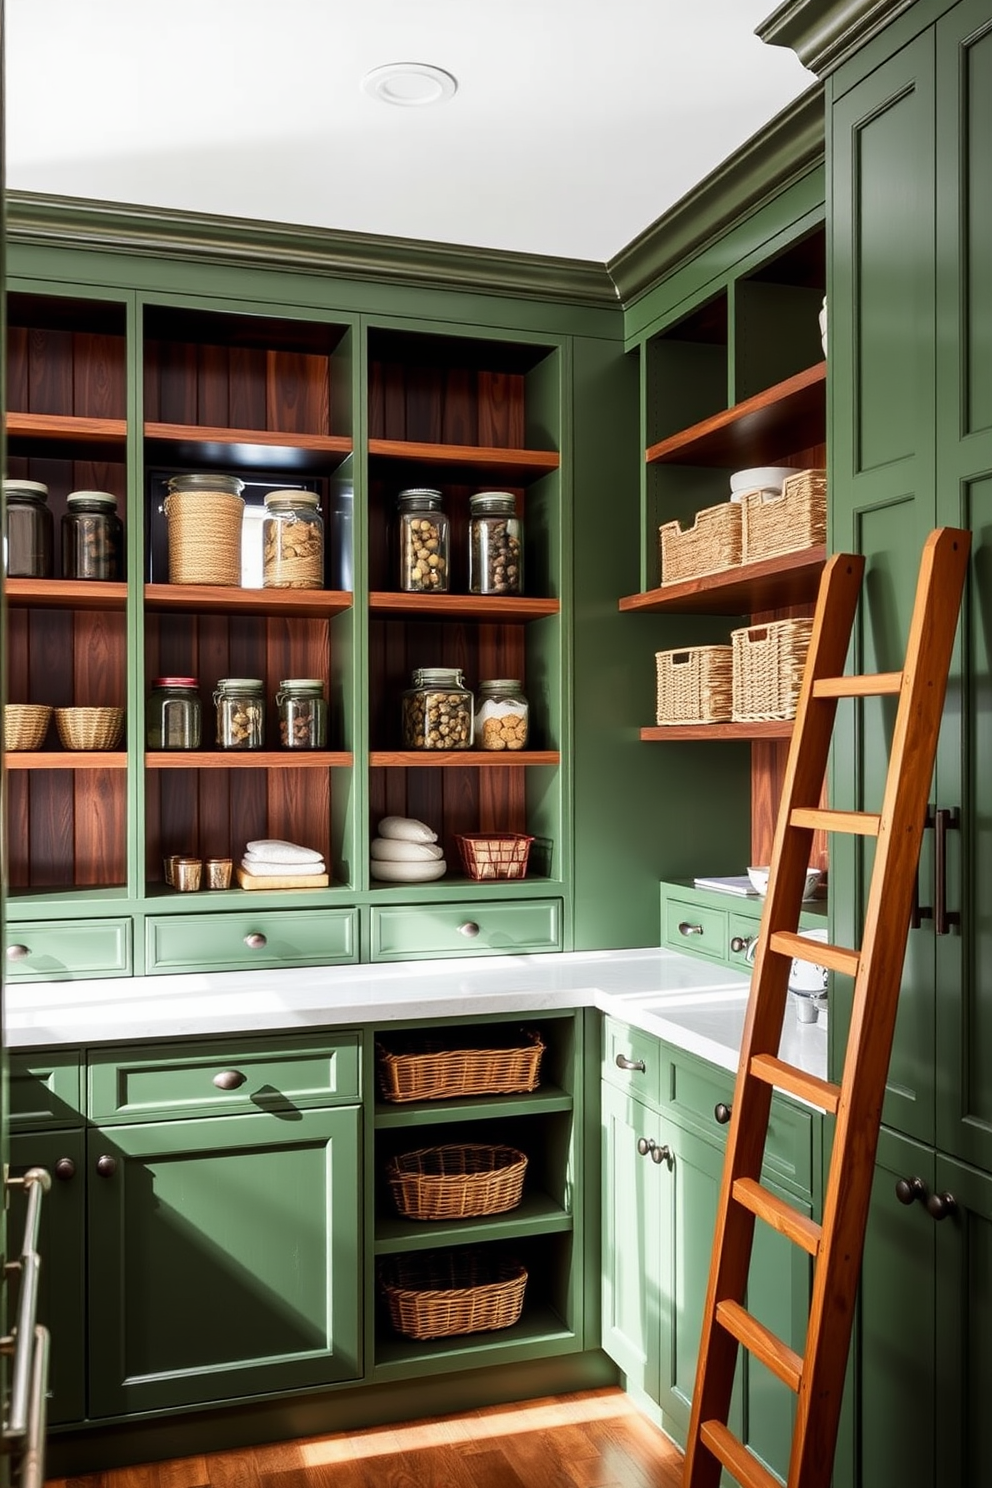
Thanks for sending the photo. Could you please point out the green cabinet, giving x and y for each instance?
(719, 926)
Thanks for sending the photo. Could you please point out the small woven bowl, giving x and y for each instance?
(89, 728)
(25, 725)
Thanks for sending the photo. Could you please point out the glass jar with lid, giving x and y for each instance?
(495, 561)
(92, 537)
(292, 541)
(438, 710)
(29, 530)
(502, 715)
(173, 714)
(302, 713)
(423, 542)
(240, 707)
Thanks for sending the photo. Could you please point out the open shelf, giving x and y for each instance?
(74, 759)
(409, 759)
(304, 603)
(772, 583)
(517, 466)
(66, 594)
(248, 759)
(245, 448)
(536, 1214)
(66, 428)
(671, 732)
(463, 606)
(790, 415)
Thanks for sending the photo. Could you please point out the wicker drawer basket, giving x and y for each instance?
(457, 1180)
(712, 543)
(695, 686)
(786, 522)
(427, 1069)
(435, 1294)
(768, 669)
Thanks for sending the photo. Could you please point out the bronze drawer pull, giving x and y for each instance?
(469, 929)
(18, 952)
(685, 928)
(255, 941)
(106, 1165)
(630, 1064)
(229, 1079)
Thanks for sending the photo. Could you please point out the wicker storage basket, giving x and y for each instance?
(457, 1180)
(712, 543)
(695, 686)
(426, 1069)
(25, 725)
(204, 537)
(494, 856)
(785, 523)
(436, 1294)
(768, 669)
(90, 728)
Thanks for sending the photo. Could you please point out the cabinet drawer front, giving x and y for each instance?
(45, 1090)
(695, 929)
(473, 929)
(625, 1050)
(67, 950)
(741, 928)
(181, 1080)
(220, 942)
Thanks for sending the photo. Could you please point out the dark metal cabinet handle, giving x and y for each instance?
(664, 1155)
(106, 1165)
(470, 929)
(945, 820)
(229, 1079)
(65, 1169)
(255, 941)
(18, 952)
(630, 1064)
(942, 1205)
(921, 912)
(908, 1190)
(721, 1113)
(685, 928)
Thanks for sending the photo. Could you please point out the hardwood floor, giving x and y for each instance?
(593, 1439)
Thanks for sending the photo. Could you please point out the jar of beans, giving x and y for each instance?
(292, 541)
(92, 537)
(302, 713)
(423, 542)
(495, 563)
(240, 713)
(501, 715)
(438, 710)
(172, 715)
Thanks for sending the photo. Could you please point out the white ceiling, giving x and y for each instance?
(575, 125)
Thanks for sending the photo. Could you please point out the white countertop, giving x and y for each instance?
(688, 1003)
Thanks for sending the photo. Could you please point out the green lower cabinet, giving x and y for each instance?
(225, 1257)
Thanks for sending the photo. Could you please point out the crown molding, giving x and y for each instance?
(824, 33)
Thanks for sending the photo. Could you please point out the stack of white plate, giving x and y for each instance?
(770, 478)
(406, 851)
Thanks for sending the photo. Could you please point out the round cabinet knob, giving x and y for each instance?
(739, 943)
(255, 941)
(721, 1113)
(470, 929)
(685, 928)
(908, 1190)
(229, 1079)
(106, 1165)
(65, 1169)
(942, 1205)
(645, 1145)
(664, 1155)
(18, 952)
(624, 1063)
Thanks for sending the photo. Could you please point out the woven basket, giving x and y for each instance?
(204, 537)
(695, 686)
(90, 728)
(494, 856)
(787, 522)
(768, 669)
(437, 1294)
(25, 725)
(457, 1180)
(424, 1069)
(712, 543)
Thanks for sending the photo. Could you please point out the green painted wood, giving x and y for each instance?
(45, 1090)
(695, 929)
(963, 1297)
(218, 942)
(631, 1241)
(502, 929)
(67, 950)
(825, 33)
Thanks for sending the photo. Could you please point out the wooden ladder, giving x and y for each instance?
(835, 1245)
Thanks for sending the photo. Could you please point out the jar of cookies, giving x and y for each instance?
(495, 559)
(423, 542)
(292, 541)
(92, 537)
(302, 713)
(501, 715)
(240, 705)
(438, 710)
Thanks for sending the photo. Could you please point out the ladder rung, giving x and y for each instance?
(801, 948)
(797, 1082)
(777, 1356)
(735, 1457)
(855, 823)
(879, 684)
(781, 1216)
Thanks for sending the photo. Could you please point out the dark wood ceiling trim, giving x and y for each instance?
(824, 33)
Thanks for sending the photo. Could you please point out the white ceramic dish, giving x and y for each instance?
(759, 880)
(760, 478)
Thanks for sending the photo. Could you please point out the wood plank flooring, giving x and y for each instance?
(592, 1439)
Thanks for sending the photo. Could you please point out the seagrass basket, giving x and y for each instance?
(204, 531)
(786, 521)
(457, 1180)
(712, 543)
(695, 685)
(25, 725)
(435, 1294)
(428, 1069)
(768, 669)
(90, 728)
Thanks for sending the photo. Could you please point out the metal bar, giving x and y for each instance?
(36, 1182)
(32, 1473)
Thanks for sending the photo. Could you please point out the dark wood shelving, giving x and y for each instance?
(462, 606)
(413, 759)
(66, 428)
(69, 759)
(248, 759)
(789, 416)
(672, 732)
(514, 466)
(246, 447)
(66, 594)
(772, 583)
(318, 604)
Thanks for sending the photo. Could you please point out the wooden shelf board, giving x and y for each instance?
(464, 606)
(412, 759)
(330, 444)
(536, 1214)
(248, 759)
(670, 732)
(68, 428)
(310, 603)
(772, 583)
(66, 759)
(66, 594)
(513, 465)
(789, 416)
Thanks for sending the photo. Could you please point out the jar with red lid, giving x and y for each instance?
(173, 714)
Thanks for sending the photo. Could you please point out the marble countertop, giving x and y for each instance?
(689, 1003)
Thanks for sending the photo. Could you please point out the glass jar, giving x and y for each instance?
(438, 710)
(240, 713)
(495, 555)
(424, 542)
(501, 715)
(29, 530)
(292, 541)
(172, 715)
(302, 713)
(92, 537)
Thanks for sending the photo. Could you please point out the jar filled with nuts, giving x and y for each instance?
(302, 713)
(240, 713)
(292, 541)
(495, 563)
(438, 710)
(92, 537)
(423, 542)
(501, 715)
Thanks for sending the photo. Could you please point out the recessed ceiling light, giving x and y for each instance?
(410, 84)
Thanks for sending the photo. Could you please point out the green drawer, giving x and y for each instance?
(45, 1090)
(224, 1076)
(695, 929)
(473, 929)
(625, 1050)
(741, 928)
(67, 950)
(248, 940)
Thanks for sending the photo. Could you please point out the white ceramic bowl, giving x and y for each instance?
(759, 880)
(760, 478)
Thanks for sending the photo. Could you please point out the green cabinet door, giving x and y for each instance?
(632, 1280)
(964, 1324)
(224, 1258)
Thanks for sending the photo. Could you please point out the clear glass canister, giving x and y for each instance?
(302, 713)
(502, 715)
(240, 713)
(173, 715)
(495, 563)
(29, 530)
(92, 537)
(424, 542)
(438, 710)
(292, 541)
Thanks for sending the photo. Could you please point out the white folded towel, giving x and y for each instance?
(261, 869)
(272, 850)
